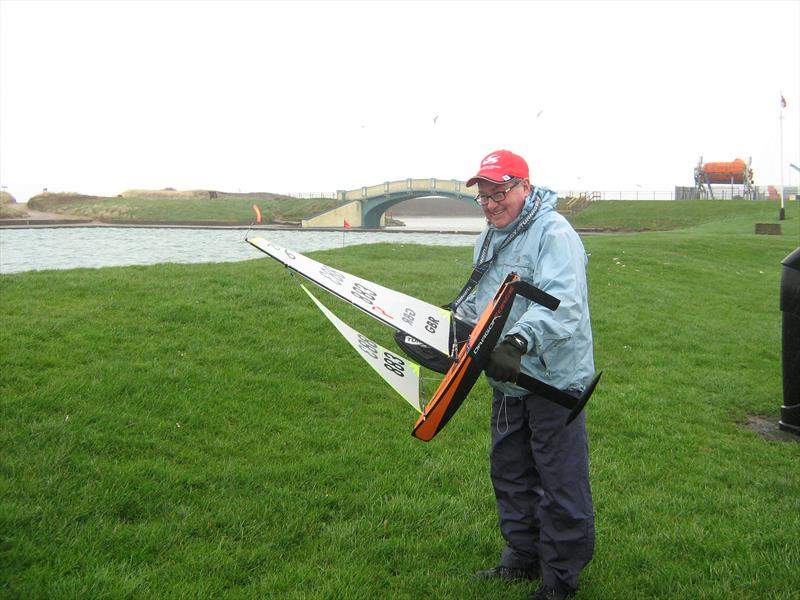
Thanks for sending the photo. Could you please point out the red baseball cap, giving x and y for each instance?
(500, 166)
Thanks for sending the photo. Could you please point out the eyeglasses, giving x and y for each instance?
(496, 196)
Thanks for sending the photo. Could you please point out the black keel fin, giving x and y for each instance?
(531, 292)
(574, 403)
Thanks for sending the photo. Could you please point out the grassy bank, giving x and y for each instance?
(202, 431)
(8, 207)
(11, 211)
(142, 205)
(648, 215)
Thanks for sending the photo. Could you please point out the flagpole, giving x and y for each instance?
(782, 214)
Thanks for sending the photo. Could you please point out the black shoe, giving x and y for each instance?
(509, 574)
(545, 592)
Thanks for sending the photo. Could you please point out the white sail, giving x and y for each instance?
(401, 374)
(428, 323)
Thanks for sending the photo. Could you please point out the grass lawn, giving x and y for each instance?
(726, 216)
(198, 431)
(182, 207)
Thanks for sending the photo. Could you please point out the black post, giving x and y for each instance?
(790, 306)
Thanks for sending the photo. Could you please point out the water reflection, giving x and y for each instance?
(73, 247)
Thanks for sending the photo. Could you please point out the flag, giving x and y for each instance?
(347, 224)
(258, 213)
(783, 101)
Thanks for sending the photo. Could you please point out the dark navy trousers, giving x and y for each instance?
(540, 474)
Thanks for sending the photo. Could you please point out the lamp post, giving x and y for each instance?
(782, 213)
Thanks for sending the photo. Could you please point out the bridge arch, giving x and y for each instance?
(373, 201)
(373, 208)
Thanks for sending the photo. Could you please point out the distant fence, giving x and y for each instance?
(310, 194)
(736, 192)
(686, 193)
(618, 195)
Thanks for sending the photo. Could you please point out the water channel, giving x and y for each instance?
(38, 248)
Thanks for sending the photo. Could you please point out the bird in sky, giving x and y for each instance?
(436, 118)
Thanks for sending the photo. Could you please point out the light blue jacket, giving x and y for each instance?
(550, 255)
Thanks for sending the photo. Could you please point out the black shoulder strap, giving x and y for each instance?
(482, 264)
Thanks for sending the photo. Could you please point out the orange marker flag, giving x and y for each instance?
(258, 213)
(346, 224)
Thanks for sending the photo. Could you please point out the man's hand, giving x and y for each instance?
(504, 362)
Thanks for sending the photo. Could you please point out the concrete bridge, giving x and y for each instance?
(367, 205)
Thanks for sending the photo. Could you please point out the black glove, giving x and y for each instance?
(504, 362)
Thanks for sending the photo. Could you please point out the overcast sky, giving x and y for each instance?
(100, 97)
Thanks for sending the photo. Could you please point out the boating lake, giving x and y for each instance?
(38, 248)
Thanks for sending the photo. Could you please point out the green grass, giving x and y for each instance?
(648, 215)
(226, 207)
(197, 431)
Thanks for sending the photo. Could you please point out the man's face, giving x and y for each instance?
(501, 214)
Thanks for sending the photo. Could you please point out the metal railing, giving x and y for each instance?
(597, 195)
(310, 194)
(684, 193)
(451, 186)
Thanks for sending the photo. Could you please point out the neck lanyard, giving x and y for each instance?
(483, 264)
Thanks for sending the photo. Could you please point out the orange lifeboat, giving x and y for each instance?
(735, 172)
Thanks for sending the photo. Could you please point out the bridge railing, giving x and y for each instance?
(451, 186)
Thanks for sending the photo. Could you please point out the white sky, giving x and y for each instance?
(100, 97)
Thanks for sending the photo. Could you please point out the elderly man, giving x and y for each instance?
(539, 467)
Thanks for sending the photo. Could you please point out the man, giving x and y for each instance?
(539, 467)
